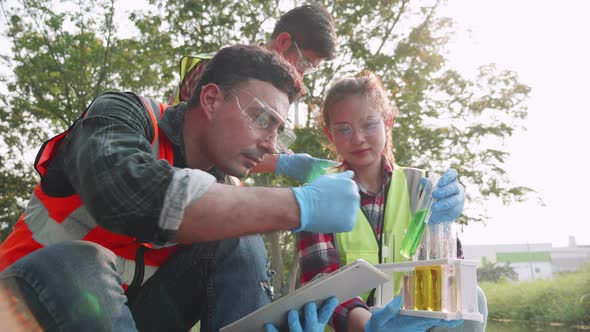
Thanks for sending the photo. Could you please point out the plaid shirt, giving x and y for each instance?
(107, 159)
(318, 255)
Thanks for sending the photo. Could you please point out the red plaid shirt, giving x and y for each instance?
(318, 255)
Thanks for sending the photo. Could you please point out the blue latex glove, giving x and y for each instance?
(302, 167)
(389, 319)
(328, 204)
(315, 321)
(450, 198)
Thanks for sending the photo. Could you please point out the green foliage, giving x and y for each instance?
(61, 59)
(493, 272)
(12, 188)
(565, 298)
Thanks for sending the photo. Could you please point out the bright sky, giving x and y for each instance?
(548, 45)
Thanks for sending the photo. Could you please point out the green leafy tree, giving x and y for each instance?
(14, 185)
(63, 59)
(494, 272)
(63, 54)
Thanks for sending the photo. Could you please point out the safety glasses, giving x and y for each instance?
(343, 132)
(303, 64)
(266, 122)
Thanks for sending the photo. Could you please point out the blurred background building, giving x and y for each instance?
(532, 260)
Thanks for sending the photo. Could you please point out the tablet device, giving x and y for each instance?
(349, 281)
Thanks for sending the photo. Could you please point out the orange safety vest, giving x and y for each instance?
(48, 220)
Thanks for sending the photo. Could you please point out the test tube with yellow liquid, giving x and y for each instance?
(428, 288)
(436, 288)
(421, 280)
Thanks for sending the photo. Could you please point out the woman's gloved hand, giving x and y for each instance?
(450, 198)
(388, 319)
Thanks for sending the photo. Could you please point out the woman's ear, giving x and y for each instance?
(388, 121)
(328, 134)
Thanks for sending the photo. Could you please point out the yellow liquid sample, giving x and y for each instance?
(435, 290)
(427, 288)
(421, 276)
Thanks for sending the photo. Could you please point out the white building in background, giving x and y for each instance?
(532, 261)
(570, 258)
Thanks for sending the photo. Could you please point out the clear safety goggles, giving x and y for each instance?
(371, 126)
(267, 123)
(303, 63)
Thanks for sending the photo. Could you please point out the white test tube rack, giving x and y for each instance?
(458, 289)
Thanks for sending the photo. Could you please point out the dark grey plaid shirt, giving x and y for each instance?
(107, 160)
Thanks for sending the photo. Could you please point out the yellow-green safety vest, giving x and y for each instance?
(187, 63)
(401, 202)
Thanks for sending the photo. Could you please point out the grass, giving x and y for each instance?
(564, 299)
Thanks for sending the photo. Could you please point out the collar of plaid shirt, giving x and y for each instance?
(373, 204)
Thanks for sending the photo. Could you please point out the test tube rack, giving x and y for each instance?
(441, 288)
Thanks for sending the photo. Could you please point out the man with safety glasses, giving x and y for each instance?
(127, 229)
(304, 36)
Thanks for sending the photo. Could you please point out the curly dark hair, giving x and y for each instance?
(235, 64)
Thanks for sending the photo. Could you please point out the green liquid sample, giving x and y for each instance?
(414, 233)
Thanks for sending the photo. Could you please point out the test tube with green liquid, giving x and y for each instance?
(417, 225)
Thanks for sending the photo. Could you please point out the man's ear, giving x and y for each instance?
(210, 96)
(282, 42)
(328, 134)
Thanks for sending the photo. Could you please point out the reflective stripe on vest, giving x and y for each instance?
(187, 63)
(402, 200)
(49, 220)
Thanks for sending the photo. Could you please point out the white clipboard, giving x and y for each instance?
(349, 281)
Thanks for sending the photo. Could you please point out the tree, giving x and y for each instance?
(14, 185)
(494, 272)
(62, 59)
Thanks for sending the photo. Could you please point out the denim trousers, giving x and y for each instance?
(74, 286)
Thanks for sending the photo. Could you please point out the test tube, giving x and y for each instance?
(417, 225)
(450, 235)
(449, 288)
(442, 240)
(433, 233)
(388, 248)
(408, 290)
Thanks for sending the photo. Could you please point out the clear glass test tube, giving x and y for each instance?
(442, 240)
(417, 225)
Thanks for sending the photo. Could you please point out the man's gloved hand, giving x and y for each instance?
(301, 166)
(450, 198)
(328, 204)
(389, 319)
(314, 320)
